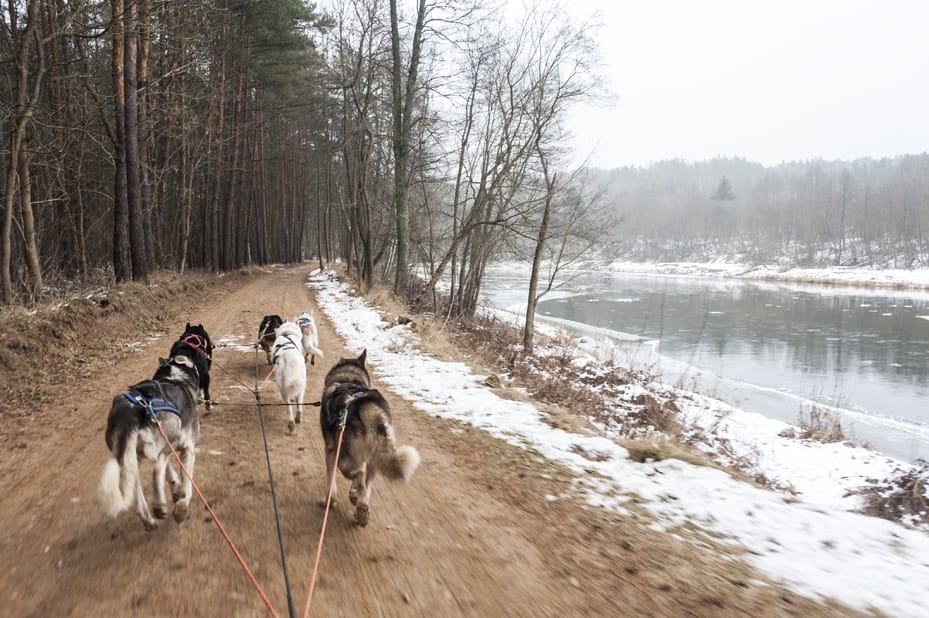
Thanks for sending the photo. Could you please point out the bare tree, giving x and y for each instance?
(403, 89)
(28, 88)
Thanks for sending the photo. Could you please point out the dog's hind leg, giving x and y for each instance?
(360, 493)
(299, 405)
(330, 480)
(142, 507)
(158, 483)
(174, 482)
(291, 423)
(207, 400)
(182, 506)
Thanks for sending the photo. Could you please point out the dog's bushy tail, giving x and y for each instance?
(117, 485)
(402, 464)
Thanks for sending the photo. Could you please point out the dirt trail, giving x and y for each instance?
(471, 535)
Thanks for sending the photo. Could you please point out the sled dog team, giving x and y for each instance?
(170, 398)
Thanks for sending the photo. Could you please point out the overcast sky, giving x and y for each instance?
(773, 81)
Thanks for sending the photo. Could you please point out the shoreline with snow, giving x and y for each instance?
(810, 540)
(895, 279)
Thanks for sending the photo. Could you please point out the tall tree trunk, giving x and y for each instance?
(402, 91)
(184, 205)
(232, 196)
(533, 299)
(152, 241)
(33, 267)
(121, 262)
(218, 156)
(27, 98)
(133, 160)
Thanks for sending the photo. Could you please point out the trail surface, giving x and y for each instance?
(472, 534)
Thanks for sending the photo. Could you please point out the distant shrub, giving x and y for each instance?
(819, 425)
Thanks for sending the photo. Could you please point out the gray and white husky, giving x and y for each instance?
(368, 444)
(290, 370)
(310, 341)
(171, 396)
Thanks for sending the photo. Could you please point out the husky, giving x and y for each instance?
(368, 444)
(289, 370)
(310, 337)
(171, 397)
(195, 344)
(266, 333)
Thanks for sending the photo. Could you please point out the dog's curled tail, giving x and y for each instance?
(117, 485)
(403, 463)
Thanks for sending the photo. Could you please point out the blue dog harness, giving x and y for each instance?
(151, 405)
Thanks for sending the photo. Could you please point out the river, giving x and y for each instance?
(774, 348)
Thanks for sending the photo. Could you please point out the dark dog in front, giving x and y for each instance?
(195, 344)
(266, 333)
(171, 398)
(368, 445)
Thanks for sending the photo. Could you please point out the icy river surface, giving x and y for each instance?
(775, 348)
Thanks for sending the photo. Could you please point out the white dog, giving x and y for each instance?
(310, 337)
(289, 370)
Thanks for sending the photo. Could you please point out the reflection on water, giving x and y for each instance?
(852, 349)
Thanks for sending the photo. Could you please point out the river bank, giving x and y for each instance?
(899, 279)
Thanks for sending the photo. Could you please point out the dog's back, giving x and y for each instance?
(368, 445)
(267, 332)
(289, 370)
(195, 344)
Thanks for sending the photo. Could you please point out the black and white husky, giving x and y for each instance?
(267, 331)
(368, 444)
(195, 344)
(307, 324)
(290, 370)
(171, 397)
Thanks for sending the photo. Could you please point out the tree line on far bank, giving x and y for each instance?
(866, 212)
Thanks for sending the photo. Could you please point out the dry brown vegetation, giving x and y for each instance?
(45, 349)
(819, 425)
(903, 497)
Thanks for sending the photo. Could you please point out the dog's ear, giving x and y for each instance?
(187, 327)
(162, 362)
(364, 355)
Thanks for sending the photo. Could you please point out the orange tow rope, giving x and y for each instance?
(322, 533)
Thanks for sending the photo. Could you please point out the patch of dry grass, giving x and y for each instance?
(903, 497)
(819, 426)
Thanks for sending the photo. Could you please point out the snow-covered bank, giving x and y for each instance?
(837, 275)
(807, 541)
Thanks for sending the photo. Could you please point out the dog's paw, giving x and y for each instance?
(361, 515)
(353, 496)
(322, 502)
(180, 512)
(150, 525)
(291, 426)
(159, 512)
